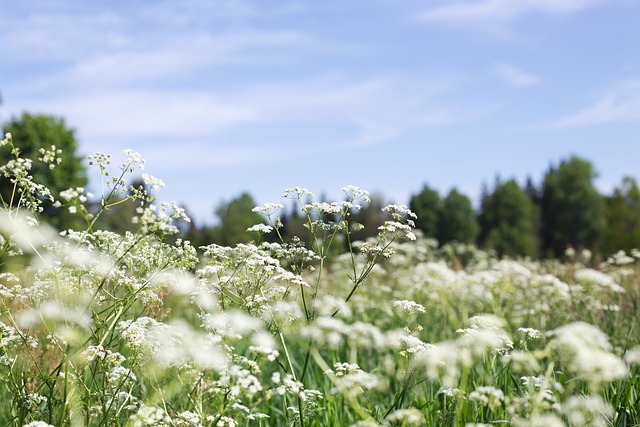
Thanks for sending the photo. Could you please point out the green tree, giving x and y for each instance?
(532, 191)
(457, 220)
(623, 218)
(34, 132)
(235, 217)
(572, 210)
(426, 205)
(508, 219)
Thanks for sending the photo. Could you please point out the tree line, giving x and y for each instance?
(564, 210)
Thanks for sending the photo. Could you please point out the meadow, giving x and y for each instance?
(143, 329)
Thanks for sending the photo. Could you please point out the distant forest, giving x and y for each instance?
(539, 220)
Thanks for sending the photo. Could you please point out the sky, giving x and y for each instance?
(226, 96)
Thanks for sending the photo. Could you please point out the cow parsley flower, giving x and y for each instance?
(6, 140)
(150, 416)
(134, 159)
(51, 156)
(620, 258)
(260, 229)
(446, 361)
(532, 334)
(490, 397)
(356, 193)
(544, 420)
(296, 193)
(409, 307)
(587, 410)
(38, 424)
(632, 356)
(271, 353)
(54, 311)
(410, 416)
(187, 419)
(597, 279)
(587, 352)
(268, 208)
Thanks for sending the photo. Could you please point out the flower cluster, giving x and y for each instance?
(328, 327)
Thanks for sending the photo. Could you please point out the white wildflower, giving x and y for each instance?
(599, 280)
(620, 258)
(260, 229)
(490, 397)
(54, 311)
(268, 208)
(532, 334)
(152, 182)
(187, 419)
(409, 307)
(587, 410)
(150, 416)
(296, 193)
(366, 423)
(586, 350)
(544, 420)
(38, 424)
(271, 353)
(411, 416)
(354, 193)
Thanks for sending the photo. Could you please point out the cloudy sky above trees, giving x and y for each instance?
(224, 96)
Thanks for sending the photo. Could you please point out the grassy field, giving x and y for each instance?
(101, 329)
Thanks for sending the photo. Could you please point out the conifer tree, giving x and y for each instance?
(572, 209)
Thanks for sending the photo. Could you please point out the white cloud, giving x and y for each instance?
(488, 11)
(77, 32)
(144, 113)
(514, 76)
(140, 62)
(252, 121)
(179, 56)
(620, 104)
(380, 108)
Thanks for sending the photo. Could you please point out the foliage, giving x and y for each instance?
(623, 217)
(426, 205)
(572, 210)
(508, 219)
(235, 217)
(48, 138)
(457, 219)
(450, 219)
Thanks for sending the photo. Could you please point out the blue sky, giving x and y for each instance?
(225, 96)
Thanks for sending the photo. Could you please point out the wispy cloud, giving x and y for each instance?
(67, 31)
(620, 104)
(515, 76)
(106, 55)
(182, 55)
(499, 11)
(365, 112)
